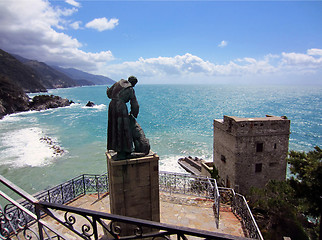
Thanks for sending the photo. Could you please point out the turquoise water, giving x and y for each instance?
(177, 120)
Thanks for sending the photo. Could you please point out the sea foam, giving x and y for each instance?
(28, 147)
(99, 107)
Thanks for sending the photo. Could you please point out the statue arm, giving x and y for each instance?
(109, 91)
(134, 104)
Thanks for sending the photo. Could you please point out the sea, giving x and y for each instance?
(40, 149)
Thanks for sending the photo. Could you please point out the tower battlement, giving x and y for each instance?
(237, 126)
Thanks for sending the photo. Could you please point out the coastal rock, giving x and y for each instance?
(90, 104)
(13, 99)
(57, 150)
(43, 102)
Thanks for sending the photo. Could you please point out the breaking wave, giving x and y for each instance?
(29, 147)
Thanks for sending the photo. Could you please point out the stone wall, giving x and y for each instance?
(134, 189)
(250, 151)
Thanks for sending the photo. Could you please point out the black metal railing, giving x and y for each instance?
(69, 218)
(169, 182)
(112, 225)
(71, 189)
(18, 222)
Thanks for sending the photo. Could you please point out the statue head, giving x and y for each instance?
(133, 80)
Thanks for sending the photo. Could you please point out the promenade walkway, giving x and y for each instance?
(180, 210)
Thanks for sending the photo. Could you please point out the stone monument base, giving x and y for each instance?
(134, 189)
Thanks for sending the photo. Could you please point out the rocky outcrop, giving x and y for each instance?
(57, 150)
(90, 104)
(43, 102)
(13, 99)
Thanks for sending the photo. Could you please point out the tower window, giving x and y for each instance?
(258, 167)
(275, 146)
(259, 147)
(227, 182)
(273, 164)
(223, 158)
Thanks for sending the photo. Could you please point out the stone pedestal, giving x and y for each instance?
(134, 189)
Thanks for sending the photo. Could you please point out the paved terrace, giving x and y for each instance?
(176, 209)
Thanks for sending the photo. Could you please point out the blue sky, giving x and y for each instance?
(251, 42)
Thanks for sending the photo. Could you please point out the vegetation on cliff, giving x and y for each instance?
(51, 78)
(18, 74)
(12, 97)
(292, 208)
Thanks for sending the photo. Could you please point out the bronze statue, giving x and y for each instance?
(123, 130)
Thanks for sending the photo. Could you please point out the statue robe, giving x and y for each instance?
(119, 134)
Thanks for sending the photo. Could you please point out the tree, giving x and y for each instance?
(274, 208)
(307, 181)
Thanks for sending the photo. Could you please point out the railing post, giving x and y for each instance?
(49, 200)
(97, 187)
(40, 225)
(62, 193)
(74, 193)
(84, 185)
(106, 181)
(95, 228)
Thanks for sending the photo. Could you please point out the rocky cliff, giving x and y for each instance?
(13, 99)
(18, 74)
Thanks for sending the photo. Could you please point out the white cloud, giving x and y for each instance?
(163, 66)
(188, 66)
(76, 25)
(314, 52)
(303, 62)
(32, 34)
(73, 3)
(223, 43)
(102, 24)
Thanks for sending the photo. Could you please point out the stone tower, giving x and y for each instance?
(248, 152)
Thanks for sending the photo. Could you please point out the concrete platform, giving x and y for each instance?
(180, 210)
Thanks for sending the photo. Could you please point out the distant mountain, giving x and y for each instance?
(21, 59)
(81, 76)
(51, 78)
(19, 74)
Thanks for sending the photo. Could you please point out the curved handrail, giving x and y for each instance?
(14, 225)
